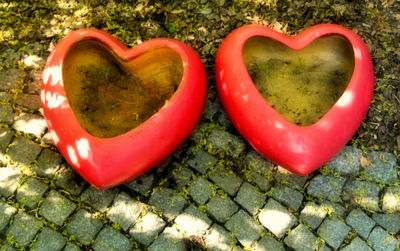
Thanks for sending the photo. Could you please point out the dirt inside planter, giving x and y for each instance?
(110, 97)
(302, 85)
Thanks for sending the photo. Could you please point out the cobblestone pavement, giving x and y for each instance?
(214, 193)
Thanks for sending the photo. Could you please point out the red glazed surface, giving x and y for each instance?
(299, 149)
(107, 162)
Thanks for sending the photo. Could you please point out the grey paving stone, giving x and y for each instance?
(382, 168)
(36, 75)
(326, 187)
(258, 163)
(23, 151)
(333, 208)
(111, 239)
(7, 247)
(49, 240)
(197, 135)
(223, 119)
(212, 110)
(382, 241)
(288, 178)
(99, 199)
(146, 230)
(9, 181)
(56, 208)
(5, 97)
(29, 101)
(391, 200)
(218, 239)
(276, 218)
(164, 165)
(313, 214)
(200, 190)
(168, 202)
(364, 194)
(221, 208)
(356, 245)
(6, 114)
(6, 212)
(30, 124)
(71, 247)
(124, 211)
(333, 231)
(170, 239)
(34, 87)
(5, 138)
(262, 181)
(360, 222)
(192, 222)
(250, 198)
(68, 179)
(141, 184)
(47, 139)
(226, 179)
(48, 164)
(268, 243)
(258, 170)
(181, 175)
(245, 235)
(391, 222)
(223, 143)
(346, 162)
(288, 196)
(84, 226)
(23, 229)
(302, 239)
(11, 79)
(31, 192)
(202, 161)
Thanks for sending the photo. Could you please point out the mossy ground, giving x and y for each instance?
(34, 27)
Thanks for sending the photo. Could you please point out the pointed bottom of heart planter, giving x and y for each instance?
(113, 112)
(296, 100)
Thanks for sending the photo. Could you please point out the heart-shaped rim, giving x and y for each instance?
(299, 149)
(107, 162)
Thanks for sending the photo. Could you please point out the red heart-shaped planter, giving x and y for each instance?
(109, 161)
(300, 149)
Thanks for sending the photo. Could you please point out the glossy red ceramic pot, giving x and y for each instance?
(107, 162)
(300, 149)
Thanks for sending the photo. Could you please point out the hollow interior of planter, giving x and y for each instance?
(110, 97)
(301, 85)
